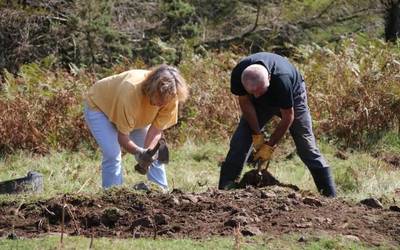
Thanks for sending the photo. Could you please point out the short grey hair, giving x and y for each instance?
(255, 74)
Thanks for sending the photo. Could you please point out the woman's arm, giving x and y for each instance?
(152, 137)
(128, 144)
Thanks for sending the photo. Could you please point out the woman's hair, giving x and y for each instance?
(167, 81)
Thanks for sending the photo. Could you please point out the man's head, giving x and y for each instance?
(255, 79)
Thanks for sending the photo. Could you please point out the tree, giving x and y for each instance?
(392, 19)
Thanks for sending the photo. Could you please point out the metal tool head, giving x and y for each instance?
(262, 165)
(163, 151)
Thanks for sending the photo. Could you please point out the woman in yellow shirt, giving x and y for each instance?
(131, 109)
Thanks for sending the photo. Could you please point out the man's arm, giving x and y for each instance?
(249, 113)
(283, 126)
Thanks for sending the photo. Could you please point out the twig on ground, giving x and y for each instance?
(73, 219)
(84, 184)
(91, 240)
(62, 221)
(238, 237)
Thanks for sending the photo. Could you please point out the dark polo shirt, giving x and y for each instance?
(285, 81)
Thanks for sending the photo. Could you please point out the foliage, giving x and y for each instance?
(211, 111)
(24, 35)
(105, 32)
(180, 18)
(79, 32)
(41, 109)
(354, 88)
(95, 40)
(215, 11)
(353, 91)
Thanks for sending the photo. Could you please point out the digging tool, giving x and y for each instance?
(260, 165)
(162, 155)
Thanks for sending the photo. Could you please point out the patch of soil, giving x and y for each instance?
(272, 210)
(262, 179)
(392, 159)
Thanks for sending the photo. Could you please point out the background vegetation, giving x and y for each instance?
(52, 51)
(57, 49)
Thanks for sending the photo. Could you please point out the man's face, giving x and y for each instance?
(257, 89)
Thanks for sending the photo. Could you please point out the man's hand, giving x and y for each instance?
(258, 141)
(264, 153)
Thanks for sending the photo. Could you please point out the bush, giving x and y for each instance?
(41, 110)
(353, 89)
(353, 94)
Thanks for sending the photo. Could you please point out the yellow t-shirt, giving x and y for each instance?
(121, 99)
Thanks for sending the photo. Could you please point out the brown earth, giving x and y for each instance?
(270, 210)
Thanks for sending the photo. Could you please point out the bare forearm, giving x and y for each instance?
(128, 144)
(153, 136)
(279, 132)
(249, 114)
(283, 126)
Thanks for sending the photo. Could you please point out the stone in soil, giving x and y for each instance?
(372, 202)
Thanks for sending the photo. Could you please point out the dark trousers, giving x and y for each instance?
(302, 134)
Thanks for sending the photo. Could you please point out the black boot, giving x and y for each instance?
(230, 172)
(324, 181)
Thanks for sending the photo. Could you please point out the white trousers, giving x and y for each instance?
(106, 136)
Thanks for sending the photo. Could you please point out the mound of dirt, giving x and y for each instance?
(272, 210)
(262, 179)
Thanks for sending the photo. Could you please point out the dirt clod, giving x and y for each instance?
(12, 236)
(302, 239)
(312, 201)
(395, 208)
(251, 231)
(257, 179)
(143, 222)
(372, 203)
(161, 219)
(110, 216)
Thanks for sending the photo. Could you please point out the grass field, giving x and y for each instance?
(195, 168)
(308, 242)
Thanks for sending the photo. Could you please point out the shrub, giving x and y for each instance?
(40, 109)
(354, 88)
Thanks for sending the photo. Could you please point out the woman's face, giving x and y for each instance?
(158, 100)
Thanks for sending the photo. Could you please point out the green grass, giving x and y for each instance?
(357, 177)
(195, 168)
(192, 168)
(259, 242)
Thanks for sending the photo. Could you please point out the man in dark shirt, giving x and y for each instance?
(266, 85)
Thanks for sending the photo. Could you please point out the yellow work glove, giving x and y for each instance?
(258, 141)
(264, 153)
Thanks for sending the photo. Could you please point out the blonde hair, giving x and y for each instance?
(167, 82)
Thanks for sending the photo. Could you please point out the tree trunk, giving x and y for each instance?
(392, 20)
